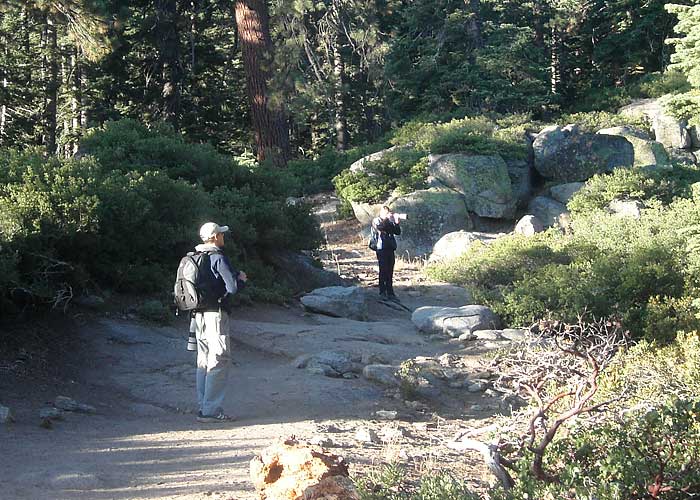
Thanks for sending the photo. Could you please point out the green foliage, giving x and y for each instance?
(685, 106)
(315, 175)
(397, 172)
(68, 222)
(389, 482)
(687, 51)
(465, 135)
(655, 449)
(592, 121)
(607, 264)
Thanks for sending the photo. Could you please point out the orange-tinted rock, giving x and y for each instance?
(291, 471)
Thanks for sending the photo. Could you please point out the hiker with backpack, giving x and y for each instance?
(205, 285)
(382, 241)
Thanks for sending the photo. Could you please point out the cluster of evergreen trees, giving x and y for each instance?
(289, 77)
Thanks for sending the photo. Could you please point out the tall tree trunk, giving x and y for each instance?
(475, 25)
(555, 61)
(52, 85)
(538, 11)
(77, 98)
(169, 49)
(341, 123)
(269, 121)
(4, 96)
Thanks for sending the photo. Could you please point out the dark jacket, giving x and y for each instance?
(387, 229)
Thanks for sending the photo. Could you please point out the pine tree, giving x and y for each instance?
(687, 44)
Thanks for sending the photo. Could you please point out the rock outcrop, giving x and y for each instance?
(452, 245)
(292, 471)
(432, 213)
(646, 151)
(567, 154)
(454, 321)
(528, 225)
(482, 180)
(547, 210)
(337, 301)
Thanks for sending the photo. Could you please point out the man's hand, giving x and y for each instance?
(242, 276)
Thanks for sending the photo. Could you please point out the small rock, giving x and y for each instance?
(384, 374)
(487, 334)
(391, 434)
(366, 435)
(476, 408)
(529, 225)
(476, 387)
(301, 361)
(6, 416)
(323, 442)
(51, 413)
(447, 359)
(467, 336)
(386, 414)
(370, 358)
(350, 375)
(68, 404)
(321, 369)
(416, 405)
(482, 375)
(490, 393)
(514, 333)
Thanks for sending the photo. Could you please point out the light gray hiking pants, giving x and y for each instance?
(213, 360)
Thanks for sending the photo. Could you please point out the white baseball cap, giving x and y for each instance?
(211, 229)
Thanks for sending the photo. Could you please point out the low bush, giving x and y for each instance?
(398, 172)
(685, 106)
(593, 121)
(389, 482)
(606, 265)
(98, 222)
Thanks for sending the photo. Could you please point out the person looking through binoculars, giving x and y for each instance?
(382, 240)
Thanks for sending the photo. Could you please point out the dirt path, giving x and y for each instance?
(144, 443)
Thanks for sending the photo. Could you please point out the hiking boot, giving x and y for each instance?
(382, 296)
(214, 419)
(392, 297)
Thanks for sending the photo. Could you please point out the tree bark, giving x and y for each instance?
(171, 66)
(341, 122)
(52, 85)
(555, 73)
(77, 98)
(269, 120)
(475, 25)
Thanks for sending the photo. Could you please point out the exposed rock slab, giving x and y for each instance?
(564, 192)
(454, 244)
(646, 151)
(529, 225)
(432, 213)
(337, 301)
(567, 154)
(547, 210)
(388, 340)
(454, 321)
(482, 180)
(359, 165)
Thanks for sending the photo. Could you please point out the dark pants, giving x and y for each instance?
(386, 261)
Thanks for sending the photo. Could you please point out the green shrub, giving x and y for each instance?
(389, 482)
(644, 449)
(592, 121)
(465, 135)
(122, 218)
(399, 172)
(314, 175)
(648, 185)
(606, 265)
(654, 85)
(684, 106)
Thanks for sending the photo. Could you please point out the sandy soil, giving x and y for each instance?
(144, 443)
